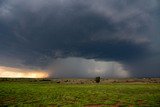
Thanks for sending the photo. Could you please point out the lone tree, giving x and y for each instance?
(97, 79)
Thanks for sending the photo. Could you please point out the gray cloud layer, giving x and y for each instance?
(79, 67)
(36, 32)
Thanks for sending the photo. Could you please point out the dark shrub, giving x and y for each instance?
(97, 79)
(58, 81)
(45, 79)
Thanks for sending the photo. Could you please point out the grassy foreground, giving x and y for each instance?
(26, 94)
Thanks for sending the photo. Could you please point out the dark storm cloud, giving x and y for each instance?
(35, 32)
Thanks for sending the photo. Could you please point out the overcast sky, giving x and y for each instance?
(81, 38)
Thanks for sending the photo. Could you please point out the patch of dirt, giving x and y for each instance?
(140, 102)
(117, 104)
(131, 105)
(95, 105)
(52, 105)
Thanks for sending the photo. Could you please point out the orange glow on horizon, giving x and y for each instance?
(10, 72)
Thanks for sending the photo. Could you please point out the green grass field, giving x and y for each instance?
(46, 94)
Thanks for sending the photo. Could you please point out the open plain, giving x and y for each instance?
(79, 92)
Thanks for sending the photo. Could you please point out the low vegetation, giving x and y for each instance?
(97, 79)
(49, 93)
